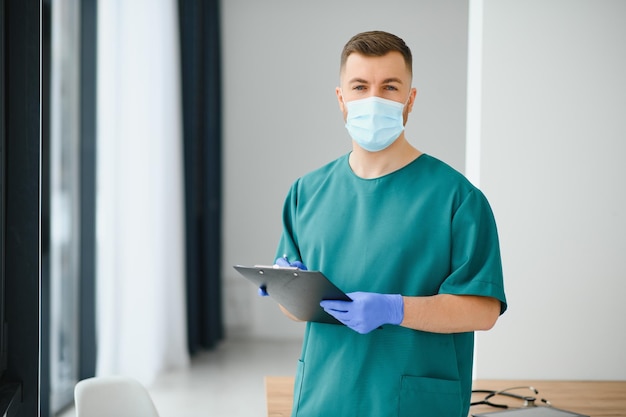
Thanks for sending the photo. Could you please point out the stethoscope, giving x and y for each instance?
(528, 401)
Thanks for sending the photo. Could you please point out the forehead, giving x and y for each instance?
(372, 68)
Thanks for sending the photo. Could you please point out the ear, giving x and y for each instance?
(340, 99)
(412, 96)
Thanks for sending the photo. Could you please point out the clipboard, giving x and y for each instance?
(300, 292)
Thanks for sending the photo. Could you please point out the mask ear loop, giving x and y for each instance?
(407, 99)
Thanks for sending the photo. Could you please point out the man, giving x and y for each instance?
(410, 240)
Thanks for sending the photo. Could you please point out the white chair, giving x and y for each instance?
(113, 396)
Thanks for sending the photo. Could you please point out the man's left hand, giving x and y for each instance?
(367, 310)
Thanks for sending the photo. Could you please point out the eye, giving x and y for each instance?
(359, 87)
(391, 88)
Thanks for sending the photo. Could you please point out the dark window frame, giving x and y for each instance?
(22, 266)
(24, 117)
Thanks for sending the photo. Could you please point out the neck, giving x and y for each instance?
(370, 165)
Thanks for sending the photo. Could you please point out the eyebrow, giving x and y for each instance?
(386, 81)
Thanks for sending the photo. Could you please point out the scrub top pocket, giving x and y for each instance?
(429, 397)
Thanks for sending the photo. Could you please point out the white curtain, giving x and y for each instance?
(141, 326)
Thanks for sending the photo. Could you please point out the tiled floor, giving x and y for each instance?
(225, 382)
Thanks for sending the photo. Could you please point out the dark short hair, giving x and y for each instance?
(376, 43)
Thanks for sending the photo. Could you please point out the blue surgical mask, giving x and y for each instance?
(374, 123)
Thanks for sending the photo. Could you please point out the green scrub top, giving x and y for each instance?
(419, 231)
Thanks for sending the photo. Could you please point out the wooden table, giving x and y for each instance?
(279, 395)
(594, 398)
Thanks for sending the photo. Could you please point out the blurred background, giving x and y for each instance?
(147, 147)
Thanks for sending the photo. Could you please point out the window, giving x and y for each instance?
(64, 201)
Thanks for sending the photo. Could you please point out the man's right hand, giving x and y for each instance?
(282, 262)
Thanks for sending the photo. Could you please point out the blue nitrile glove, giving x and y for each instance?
(367, 310)
(282, 262)
(263, 291)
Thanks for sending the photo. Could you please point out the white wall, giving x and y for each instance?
(281, 65)
(553, 144)
(553, 135)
